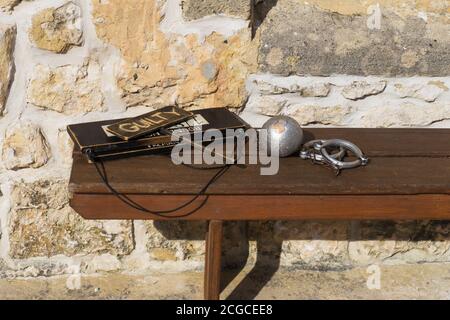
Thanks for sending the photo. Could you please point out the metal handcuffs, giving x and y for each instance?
(318, 152)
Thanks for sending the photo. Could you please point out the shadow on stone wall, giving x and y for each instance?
(260, 10)
(390, 238)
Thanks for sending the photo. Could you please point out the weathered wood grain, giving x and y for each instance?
(266, 207)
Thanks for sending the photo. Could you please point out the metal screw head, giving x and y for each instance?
(304, 154)
(364, 161)
(317, 146)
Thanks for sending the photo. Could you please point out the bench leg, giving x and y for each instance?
(213, 259)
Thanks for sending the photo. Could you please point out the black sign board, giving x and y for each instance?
(94, 138)
(148, 123)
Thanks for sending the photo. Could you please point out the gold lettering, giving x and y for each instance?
(159, 115)
(150, 120)
(128, 127)
(143, 124)
(174, 112)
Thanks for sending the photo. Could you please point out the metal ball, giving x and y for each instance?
(286, 132)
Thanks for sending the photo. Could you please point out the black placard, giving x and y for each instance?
(94, 137)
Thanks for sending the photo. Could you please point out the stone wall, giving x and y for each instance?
(353, 63)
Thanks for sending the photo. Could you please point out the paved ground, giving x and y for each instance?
(426, 281)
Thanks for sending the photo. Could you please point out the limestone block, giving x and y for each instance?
(362, 89)
(429, 92)
(316, 114)
(41, 224)
(196, 9)
(68, 89)
(57, 29)
(160, 69)
(8, 5)
(400, 241)
(356, 37)
(25, 146)
(405, 115)
(7, 41)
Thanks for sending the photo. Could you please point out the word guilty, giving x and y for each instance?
(148, 123)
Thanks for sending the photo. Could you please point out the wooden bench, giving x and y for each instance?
(408, 178)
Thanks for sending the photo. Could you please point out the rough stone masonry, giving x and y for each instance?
(353, 63)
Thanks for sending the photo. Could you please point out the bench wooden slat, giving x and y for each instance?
(392, 142)
(157, 175)
(242, 207)
(388, 173)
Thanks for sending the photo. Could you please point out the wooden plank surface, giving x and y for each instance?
(157, 175)
(403, 207)
(391, 142)
(403, 161)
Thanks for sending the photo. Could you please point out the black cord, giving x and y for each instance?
(162, 213)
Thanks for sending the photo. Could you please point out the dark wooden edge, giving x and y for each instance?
(294, 207)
